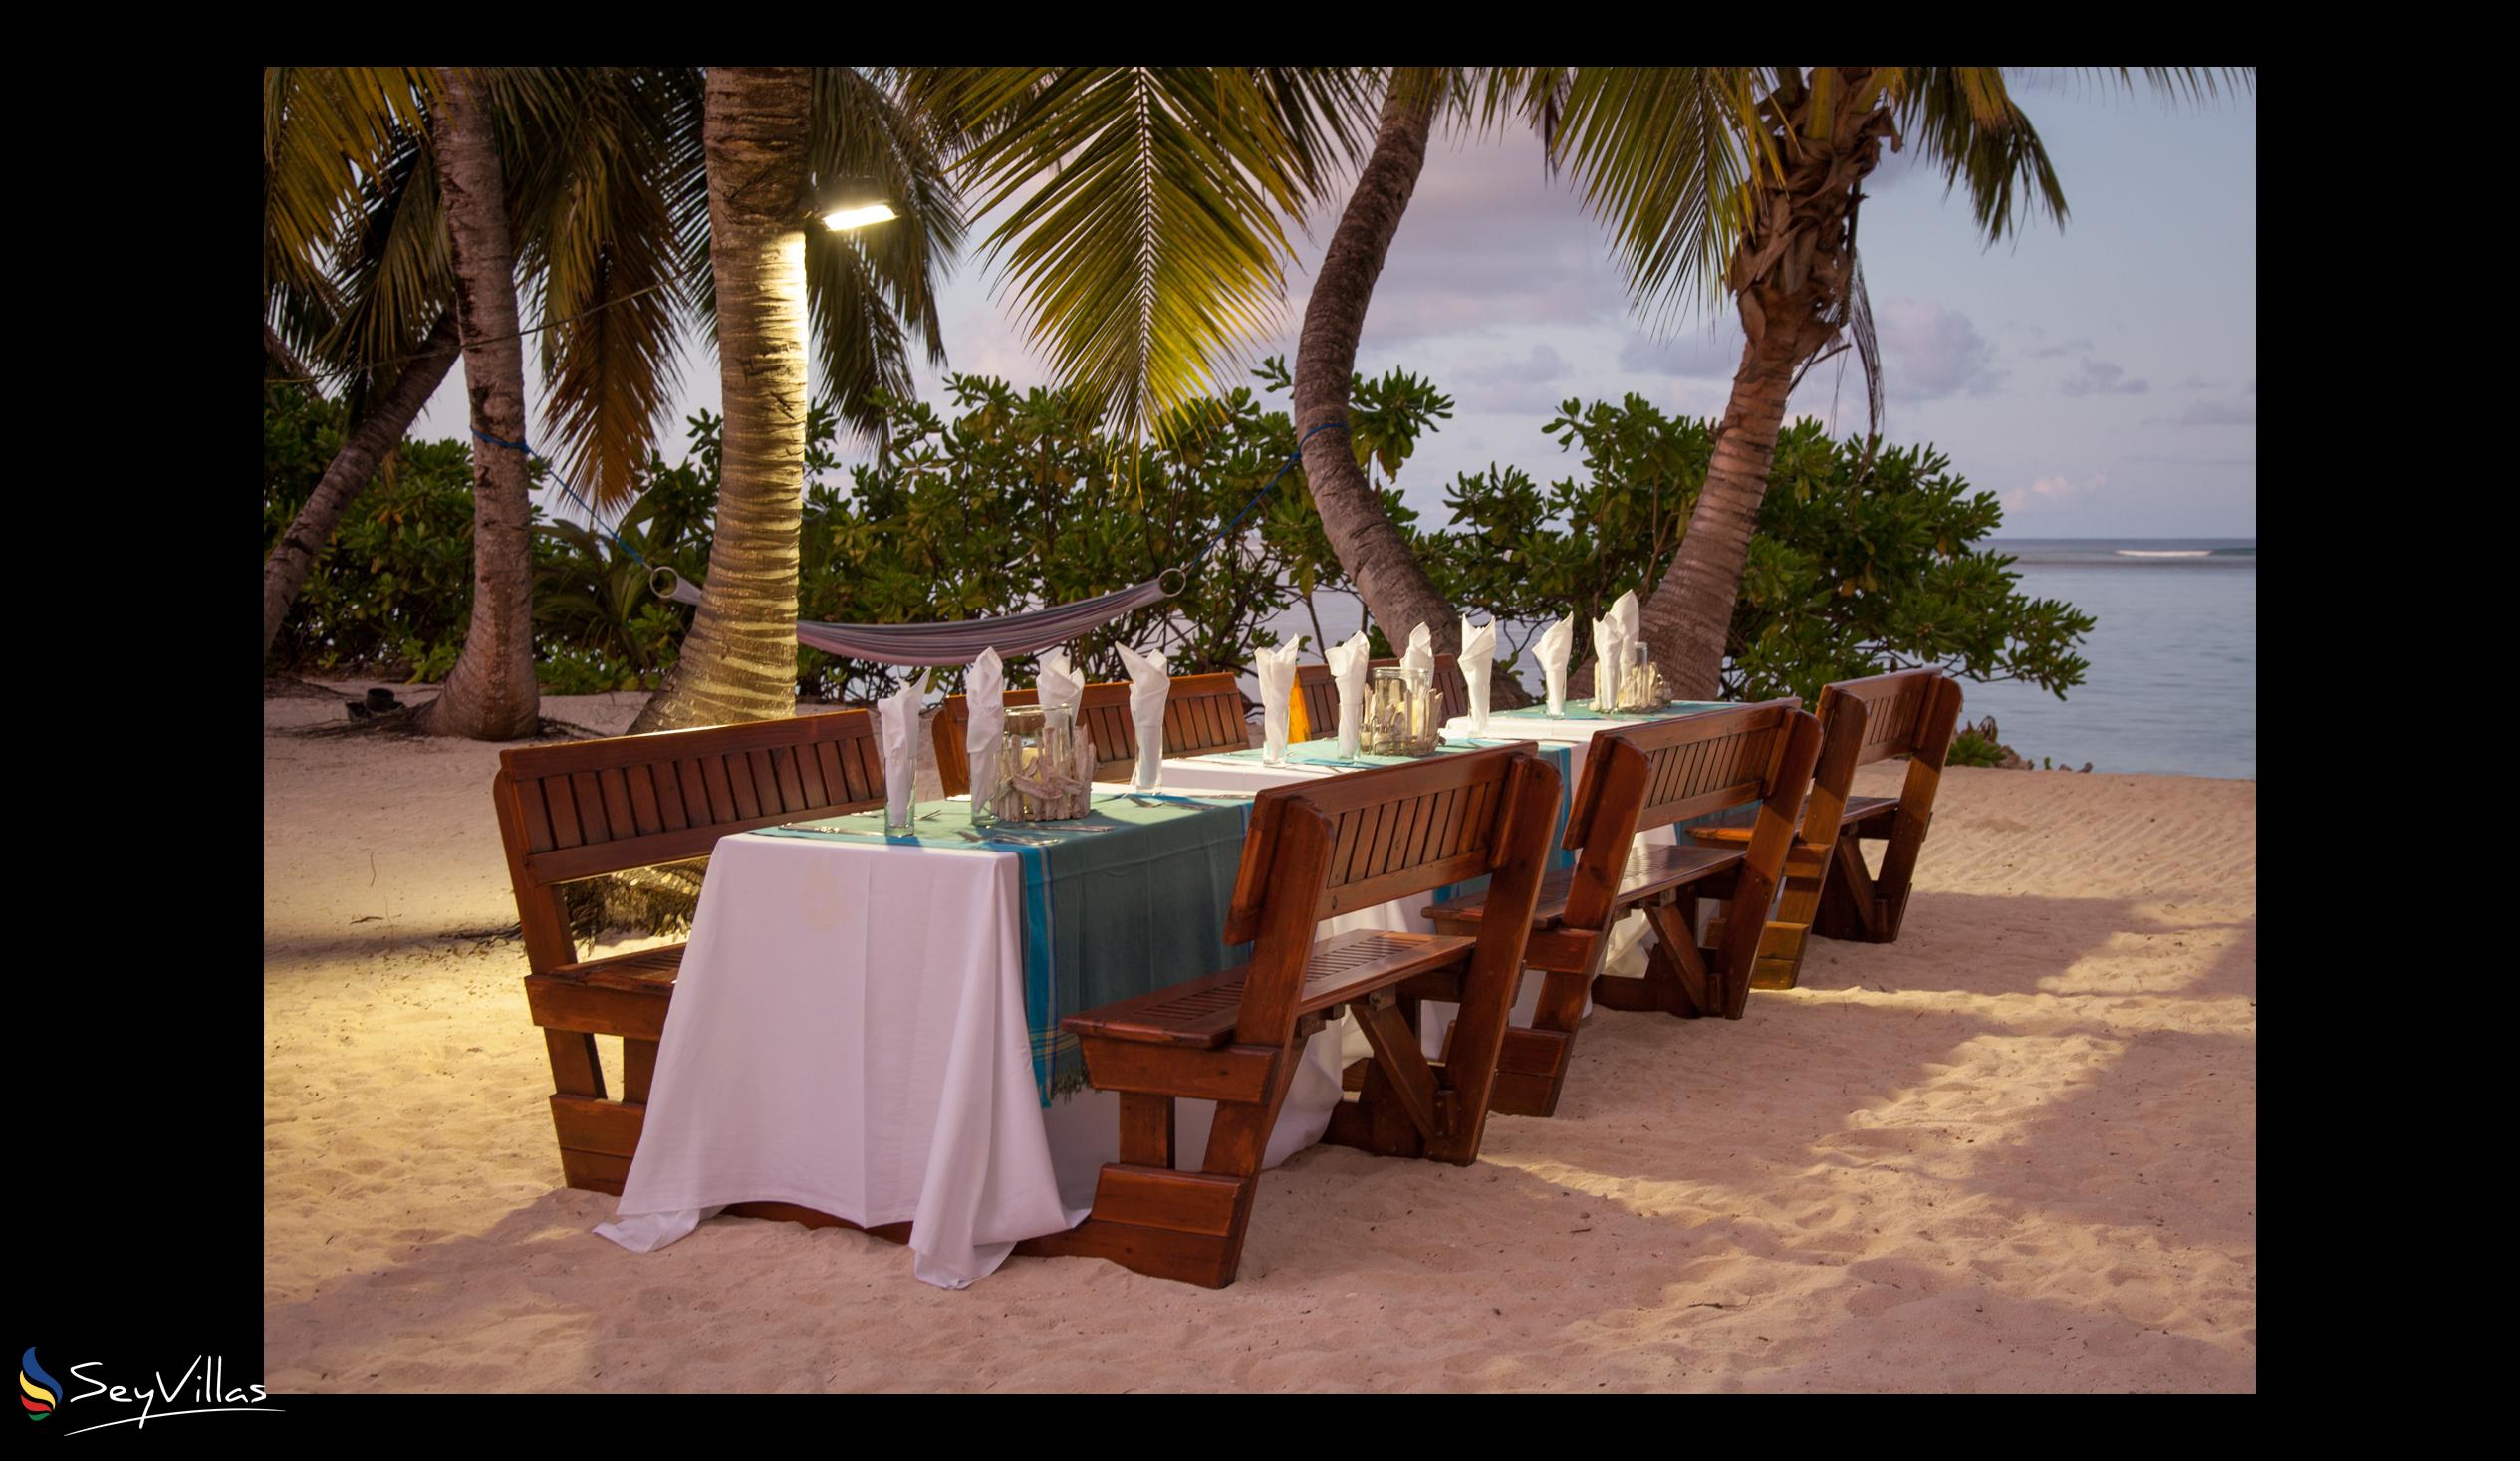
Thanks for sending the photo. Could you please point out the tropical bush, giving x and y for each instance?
(1861, 560)
(1010, 500)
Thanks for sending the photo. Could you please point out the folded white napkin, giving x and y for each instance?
(1149, 687)
(1348, 663)
(899, 723)
(1606, 662)
(1058, 680)
(1275, 670)
(1478, 651)
(1630, 619)
(1555, 643)
(1613, 633)
(1419, 656)
(985, 690)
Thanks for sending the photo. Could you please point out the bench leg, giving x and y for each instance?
(1531, 1068)
(1184, 1226)
(1850, 908)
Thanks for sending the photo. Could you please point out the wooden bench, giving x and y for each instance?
(585, 807)
(1317, 849)
(1201, 712)
(1315, 714)
(1638, 778)
(1911, 713)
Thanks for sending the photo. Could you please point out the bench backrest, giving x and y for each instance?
(1640, 777)
(1911, 712)
(1915, 712)
(1333, 846)
(582, 808)
(1315, 715)
(1201, 712)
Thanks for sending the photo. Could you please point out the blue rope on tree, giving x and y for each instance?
(591, 516)
(1292, 459)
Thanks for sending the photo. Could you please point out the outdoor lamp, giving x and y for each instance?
(844, 204)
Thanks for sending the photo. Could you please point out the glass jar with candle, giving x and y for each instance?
(1636, 681)
(1402, 712)
(1038, 769)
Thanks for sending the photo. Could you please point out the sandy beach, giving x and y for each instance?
(2014, 1151)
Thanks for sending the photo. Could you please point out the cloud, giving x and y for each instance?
(2053, 491)
(1490, 242)
(1517, 384)
(2078, 343)
(1931, 350)
(2099, 378)
(1543, 364)
(1694, 355)
(2210, 413)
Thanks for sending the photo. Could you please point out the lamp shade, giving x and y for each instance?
(844, 204)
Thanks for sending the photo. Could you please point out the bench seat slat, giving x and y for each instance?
(1650, 871)
(1201, 1012)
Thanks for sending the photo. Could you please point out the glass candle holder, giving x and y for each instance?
(1639, 685)
(1038, 767)
(1404, 712)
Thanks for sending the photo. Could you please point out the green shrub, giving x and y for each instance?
(1860, 562)
(1968, 748)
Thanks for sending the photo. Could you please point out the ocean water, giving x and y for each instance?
(2172, 684)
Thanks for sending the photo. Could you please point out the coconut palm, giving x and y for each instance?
(741, 651)
(609, 198)
(340, 154)
(1746, 183)
(490, 694)
(1397, 589)
(775, 286)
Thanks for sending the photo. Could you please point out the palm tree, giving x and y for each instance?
(490, 694)
(340, 153)
(1746, 182)
(774, 281)
(1397, 589)
(739, 660)
(610, 207)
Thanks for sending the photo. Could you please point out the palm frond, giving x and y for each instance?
(1143, 238)
(863, 127)
(1665, 156)
(1963, 119)
(328, 133)
(595, 241)
(392, 268)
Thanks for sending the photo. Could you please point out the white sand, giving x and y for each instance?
(2014, 1151)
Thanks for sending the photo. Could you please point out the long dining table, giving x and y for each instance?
(865, 1022)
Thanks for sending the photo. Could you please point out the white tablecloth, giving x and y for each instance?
(849, 1035)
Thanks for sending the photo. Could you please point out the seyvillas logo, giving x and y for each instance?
(39, 1392)
(201, 1390)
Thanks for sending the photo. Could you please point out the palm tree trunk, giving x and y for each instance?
(1791, 274)
(738, 663)
(1396, 591)
(1688, 618)
(353, 468)
(490, 694)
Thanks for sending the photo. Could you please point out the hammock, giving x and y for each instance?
(959, 643)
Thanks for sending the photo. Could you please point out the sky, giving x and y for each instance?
(2101, 378)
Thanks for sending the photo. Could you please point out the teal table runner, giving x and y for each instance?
(1583, 710)
(1326, 753)
(1108, 914)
